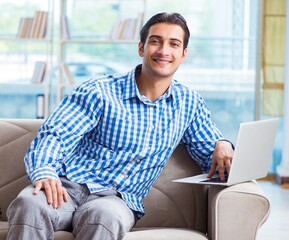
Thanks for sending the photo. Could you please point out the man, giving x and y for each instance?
(97, 155)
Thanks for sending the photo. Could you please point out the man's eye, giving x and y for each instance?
(175, 44)
(155, 41)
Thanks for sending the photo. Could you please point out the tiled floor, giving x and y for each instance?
(277, 225)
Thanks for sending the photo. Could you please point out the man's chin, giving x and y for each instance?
(165, 74)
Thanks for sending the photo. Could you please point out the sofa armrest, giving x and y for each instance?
(236, 212)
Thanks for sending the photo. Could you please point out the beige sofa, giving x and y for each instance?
(174, 211)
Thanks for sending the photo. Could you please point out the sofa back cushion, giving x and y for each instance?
(15, 137)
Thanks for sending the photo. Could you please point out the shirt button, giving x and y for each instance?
(137, 160)
(125, 175)
(113, 186)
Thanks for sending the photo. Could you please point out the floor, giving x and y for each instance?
(277, 225)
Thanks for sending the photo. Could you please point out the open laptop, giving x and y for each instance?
(252, 156)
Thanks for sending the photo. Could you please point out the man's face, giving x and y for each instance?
(163, 50)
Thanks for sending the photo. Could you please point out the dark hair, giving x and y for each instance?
(173, 18)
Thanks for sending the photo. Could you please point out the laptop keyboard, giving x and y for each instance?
(217, 179)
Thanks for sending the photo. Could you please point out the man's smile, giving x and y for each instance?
(161, 60)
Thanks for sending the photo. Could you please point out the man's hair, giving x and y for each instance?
(172, 18)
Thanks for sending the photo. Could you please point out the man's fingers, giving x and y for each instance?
(37, 188)
(54, 194)
(64, 194)
(48, 192)
(59, 194)
(213, 169)
(221, 170)
(228, 166)
(54, 191)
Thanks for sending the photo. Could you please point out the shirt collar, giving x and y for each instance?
(131, 91)
(130, 88)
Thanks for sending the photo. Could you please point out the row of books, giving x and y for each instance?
(33, 27)
(40, 71)
(128, 28)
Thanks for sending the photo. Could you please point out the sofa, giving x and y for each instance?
(174, 211)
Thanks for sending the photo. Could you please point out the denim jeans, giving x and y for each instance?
(97, 216)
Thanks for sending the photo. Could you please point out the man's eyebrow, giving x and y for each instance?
(157, 36)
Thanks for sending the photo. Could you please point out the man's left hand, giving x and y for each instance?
(222, 158)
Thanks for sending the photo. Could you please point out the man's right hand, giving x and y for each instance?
(53, 189)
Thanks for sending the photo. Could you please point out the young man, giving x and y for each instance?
(98, 154)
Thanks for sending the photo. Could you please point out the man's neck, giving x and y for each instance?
(152, 88)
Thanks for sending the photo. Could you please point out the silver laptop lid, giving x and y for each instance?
(253, 150)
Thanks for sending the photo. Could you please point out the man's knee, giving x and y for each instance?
(27, 208)
(94, 216)
(103, 218)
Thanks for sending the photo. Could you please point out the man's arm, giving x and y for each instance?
(201, 135)
(205, 142)
(61, 132)
(58, 137)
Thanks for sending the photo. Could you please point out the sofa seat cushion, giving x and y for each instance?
(135, 234)
(164, 234)
(63, 235)
(149, 234)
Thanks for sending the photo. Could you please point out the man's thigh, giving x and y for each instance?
(36, 207)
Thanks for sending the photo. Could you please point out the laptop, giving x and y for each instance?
(252, 155)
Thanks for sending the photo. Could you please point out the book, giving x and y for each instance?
(39, 25)
(40, 106)
(41, 31)
(24, 27)
(33, 27)
(39, 72)
(34, 24)
(65, 29)
(67, 73)
(128, 28)
(138, 25)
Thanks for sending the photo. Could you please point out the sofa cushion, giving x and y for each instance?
(164, 234)
(136, 234)
(15, 137)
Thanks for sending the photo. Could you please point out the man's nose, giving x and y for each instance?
(164, 49)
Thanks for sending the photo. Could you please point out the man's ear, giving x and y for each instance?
(140, 49)
(184, 55)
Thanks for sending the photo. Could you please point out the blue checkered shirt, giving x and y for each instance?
(107, 135)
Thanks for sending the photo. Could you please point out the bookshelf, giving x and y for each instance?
(87, 38)
(26, 57)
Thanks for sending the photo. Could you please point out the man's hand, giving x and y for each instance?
(222, 157)
(54, 191)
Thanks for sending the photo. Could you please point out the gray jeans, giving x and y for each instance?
(97, 216)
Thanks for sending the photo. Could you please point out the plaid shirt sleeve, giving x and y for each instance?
(60, 134)
(201, 135)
